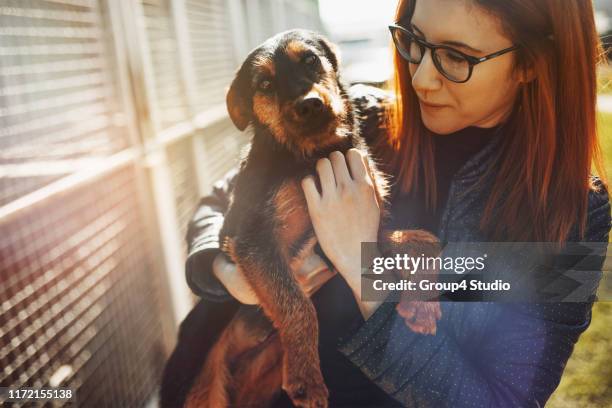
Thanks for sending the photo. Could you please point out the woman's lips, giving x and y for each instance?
(431, 105)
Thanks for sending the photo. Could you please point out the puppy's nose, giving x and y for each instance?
(310, 106)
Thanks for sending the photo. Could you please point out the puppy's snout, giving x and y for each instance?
(309, 107)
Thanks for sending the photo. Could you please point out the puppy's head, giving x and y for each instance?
(290, 85)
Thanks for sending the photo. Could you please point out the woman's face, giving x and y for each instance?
(487, 98)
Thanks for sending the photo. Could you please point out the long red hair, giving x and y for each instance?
(542, 182)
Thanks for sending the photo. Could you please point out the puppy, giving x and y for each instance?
(289, 91)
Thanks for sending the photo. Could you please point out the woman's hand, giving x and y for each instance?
(311, 275)
(345, 213)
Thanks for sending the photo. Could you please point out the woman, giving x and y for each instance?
(491, 137)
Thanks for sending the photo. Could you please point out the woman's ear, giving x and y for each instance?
(237, 104)
(526, 74)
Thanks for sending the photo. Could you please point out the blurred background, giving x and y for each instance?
(112, 125)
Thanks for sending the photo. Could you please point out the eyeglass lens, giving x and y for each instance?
(450, 63)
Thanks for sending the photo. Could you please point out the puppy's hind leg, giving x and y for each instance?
(258, 378)
(210, 388)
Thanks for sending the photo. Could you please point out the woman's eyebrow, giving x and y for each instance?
(453, 43)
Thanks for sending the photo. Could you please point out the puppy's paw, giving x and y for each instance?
(305, 386)
(420, 316)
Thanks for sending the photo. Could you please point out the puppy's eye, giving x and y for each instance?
(310, 59)
(265, 85)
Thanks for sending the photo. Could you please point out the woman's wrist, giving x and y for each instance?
(350, 269)
(349, 266)
(367, 308)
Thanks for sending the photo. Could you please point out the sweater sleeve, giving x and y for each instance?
(203, 241)
(484, 354)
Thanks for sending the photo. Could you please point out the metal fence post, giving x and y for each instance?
(156, 158)
(185, 51)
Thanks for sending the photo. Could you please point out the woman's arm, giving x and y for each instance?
(203, 241)
(483, 354)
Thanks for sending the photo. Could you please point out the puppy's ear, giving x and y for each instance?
(237, 103)
(331, 51)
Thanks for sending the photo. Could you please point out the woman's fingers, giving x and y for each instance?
(356, 164)
(310, 190)
(312, 273)
(326, 176)
(317, 279)
(232, 277)
(241, 289)
(341, 171)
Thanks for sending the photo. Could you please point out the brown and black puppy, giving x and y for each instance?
(289, 91)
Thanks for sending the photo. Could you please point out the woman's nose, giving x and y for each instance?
(426, 77)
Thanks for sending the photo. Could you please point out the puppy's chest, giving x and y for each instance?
(271, 193)
(282, 221)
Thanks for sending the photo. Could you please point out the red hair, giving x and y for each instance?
(542, 183)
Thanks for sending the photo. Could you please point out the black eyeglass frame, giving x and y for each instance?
(472, 61)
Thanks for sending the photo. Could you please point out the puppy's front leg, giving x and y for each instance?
(291, 312)
(420, 315)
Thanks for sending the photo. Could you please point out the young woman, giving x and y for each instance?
(490, 136)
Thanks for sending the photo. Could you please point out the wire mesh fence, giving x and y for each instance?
(112, 125)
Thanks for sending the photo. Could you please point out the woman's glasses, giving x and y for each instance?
(453, 64)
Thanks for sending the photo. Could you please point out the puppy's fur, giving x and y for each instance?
(289, 91)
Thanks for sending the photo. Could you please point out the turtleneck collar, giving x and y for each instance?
(472, 135)
(465, 152)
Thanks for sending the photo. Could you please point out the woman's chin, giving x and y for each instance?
(438, 125)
